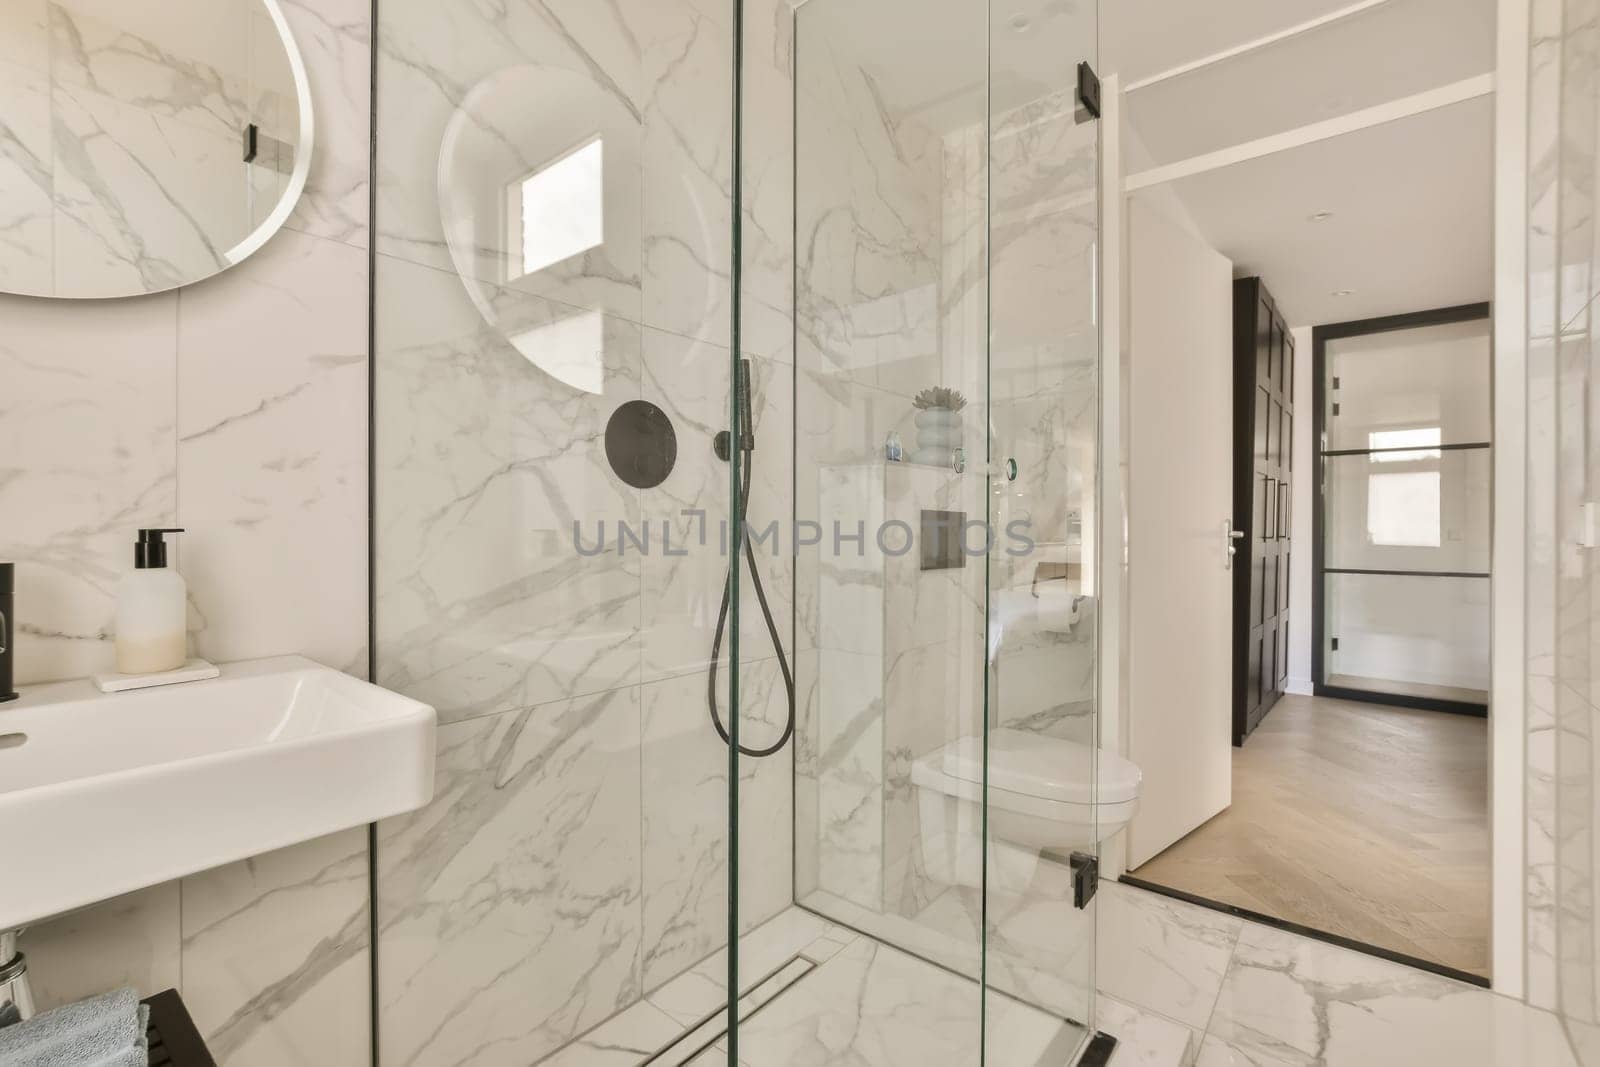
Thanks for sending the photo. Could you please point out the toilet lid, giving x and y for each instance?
(1036, 765)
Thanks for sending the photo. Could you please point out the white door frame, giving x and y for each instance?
(1507, 717)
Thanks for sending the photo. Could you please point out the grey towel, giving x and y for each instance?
(90, 1032)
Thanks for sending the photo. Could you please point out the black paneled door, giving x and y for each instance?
(1263, 414)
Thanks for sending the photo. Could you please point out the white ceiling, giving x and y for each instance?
(1139, 38)
(1412, 204)
(1412, 200)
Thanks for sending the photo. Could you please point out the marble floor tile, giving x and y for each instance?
(1215, 1052)
(1162, 954)
(874, 1005)
(624, 1040)
(692, 995)
(1145, 1039)
(1287, 999)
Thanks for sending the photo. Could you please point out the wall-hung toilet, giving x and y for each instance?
(1042, 796)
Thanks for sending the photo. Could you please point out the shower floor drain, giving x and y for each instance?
(714, 1027)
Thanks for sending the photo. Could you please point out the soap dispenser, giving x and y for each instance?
(152, 610)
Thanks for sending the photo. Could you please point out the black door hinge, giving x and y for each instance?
(1085, 878)
(1335, 644)
(1088, 93)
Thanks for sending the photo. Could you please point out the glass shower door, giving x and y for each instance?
(1043, 783)
(943, 333)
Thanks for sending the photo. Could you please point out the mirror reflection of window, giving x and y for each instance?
(571, 350)
(1404, 507)
(559, 209)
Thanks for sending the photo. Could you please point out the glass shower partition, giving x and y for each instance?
(946, 349)
(734, 493)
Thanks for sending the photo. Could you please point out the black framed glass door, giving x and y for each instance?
(1403, 509)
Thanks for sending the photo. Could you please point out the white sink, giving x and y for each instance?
(102, 794)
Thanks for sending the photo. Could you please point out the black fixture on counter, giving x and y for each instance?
(8, 634)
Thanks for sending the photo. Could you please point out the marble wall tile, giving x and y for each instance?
(687, 164)
(335, 41)
(272, 511)
(27, 178)
(850, 767)
(25, 34)
(249, 393)
(509, 908)
(684, 796)
(87, 425)
(683, 584)
(489, 464)
(130, 940)
(276, 964)
(137, 208)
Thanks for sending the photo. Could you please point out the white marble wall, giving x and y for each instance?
(235, 408)
(577, 855)
(1563, 919)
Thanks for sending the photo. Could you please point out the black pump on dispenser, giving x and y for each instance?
(150, 550)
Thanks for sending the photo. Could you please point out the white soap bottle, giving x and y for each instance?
(152, 611)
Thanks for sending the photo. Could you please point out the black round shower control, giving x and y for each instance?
(641, 445)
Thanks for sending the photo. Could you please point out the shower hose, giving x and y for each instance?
(746, 446)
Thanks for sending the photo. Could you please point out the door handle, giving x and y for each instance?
(1229, 536)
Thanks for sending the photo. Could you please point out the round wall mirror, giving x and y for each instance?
(148, 143)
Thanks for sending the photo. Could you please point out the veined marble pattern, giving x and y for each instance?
(1282, 1000)
(509, 908)
(275, 955)
(873, 1005)
(258, 363)
(652, 80)
(488, 467)
(1162, 954)
(1290, 1000)
(88, 426)
(684, 808)
(121, 140)
(1545, 140)
(335, 40)
(27, 176)
(131, 940)
(684, 576)
(262, 373)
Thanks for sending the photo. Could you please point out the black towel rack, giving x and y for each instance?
(174, 1041)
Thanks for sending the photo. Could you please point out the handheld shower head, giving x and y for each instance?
(747, 420)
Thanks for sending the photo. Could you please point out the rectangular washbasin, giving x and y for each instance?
(102, 794)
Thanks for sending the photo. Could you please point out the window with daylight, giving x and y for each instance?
(1403, 507)
(560, 209)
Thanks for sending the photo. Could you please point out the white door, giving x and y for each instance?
(1180, 500)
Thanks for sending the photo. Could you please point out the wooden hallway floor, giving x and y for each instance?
(1364, 821)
